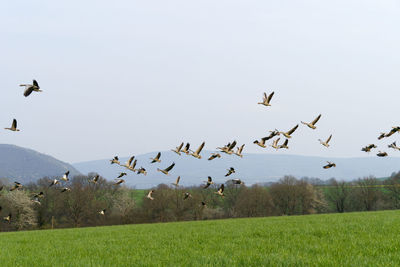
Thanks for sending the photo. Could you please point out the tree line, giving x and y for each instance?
(81, 206)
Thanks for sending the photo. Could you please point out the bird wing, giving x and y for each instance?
(232, 145)
(329, 139)
(270, 96)
(130, 160)
(200, 148)
(28, 91)
(265, 96)
(187, 146)
(286, 142)
(180, 147)
(293, 129)
(158, 155)
(209, 179)
(316, 120)
(14, 124)
(134, 164)
(177, 180)
(221, 188)
(170, 167)
(35, 83)
(241, 148)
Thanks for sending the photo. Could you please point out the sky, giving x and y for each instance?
(131, 77)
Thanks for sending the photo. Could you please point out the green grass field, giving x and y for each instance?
(352, 239)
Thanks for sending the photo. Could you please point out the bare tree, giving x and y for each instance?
(19, 204)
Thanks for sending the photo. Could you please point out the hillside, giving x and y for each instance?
(252, 168)
(27, 165)
(351, 239)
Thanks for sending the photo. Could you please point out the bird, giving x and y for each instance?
(38, 195)
(228, 149)
(121, 174)
(272, 134)
(237, 181)
(65, 177)
(382, 135)
(13, 126)
(230, 171)
(187, 195)
(196, 154)
(208, 182)
(177, 150)
(288, 134)
(29, 88)
(95, 179)
(176, 184)
(214, 155)
(329, 165)
(119, 181)
(394, 130)
(368, 148)
(382, 154)
(54, 182)
(65, 189)
(149, 195)
(166, 170)
(128, 163)
(157, 158)
(239, 151)
(36, 200)
(102, 212)
(16, 185)
(312, 124)
(186, 149)
(220, 191)
(8, 218)
(275, 143)
(115, 160)
(142, 171)
(266, 99)
(394, 146)
(261, 143)
(285, 144)
(325, 143)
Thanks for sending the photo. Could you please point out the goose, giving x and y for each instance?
(54, 182)
(65, 177)
(288, 134)
(239, 151)
(368, 148)
(102, 212)
(142, 171)
(325, 143)
(266, 99)
(382, 154)
(177, 150)
(128, 163)
(394, 146)
(16, 185)
(275, 143)
(149, 195)
(220, 191)
(394, 130)
(166, 170)
(208, 182)
(186, 149)
(119, 181)
(8, 218)
(115, 160)
(13, 126)
(272, 134)
(65, 189)
(285, 144)
(38, 195)
(214, 155)
(312, 124)
(36, 201)
(157, 158)
(230, 171)
(237, 181)
(228, 149)
(329, 165)
(95, 179)
(121, 174)
(187, 195)
(381, 136)
(176, 184)
(261, 143)
(196, 154)
(29, 88)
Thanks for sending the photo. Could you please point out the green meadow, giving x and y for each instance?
(350, 239)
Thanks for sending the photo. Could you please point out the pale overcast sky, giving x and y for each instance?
(129, 77)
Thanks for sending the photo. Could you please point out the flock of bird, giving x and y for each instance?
(228, 149)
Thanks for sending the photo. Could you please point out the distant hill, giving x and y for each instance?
(26, 165)
(252, 168)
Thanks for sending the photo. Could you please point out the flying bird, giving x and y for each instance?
(16, 185)
(166, 170)
(29, 88)
(381, 136)
(178, 149)
(329, 165)
(121, 174)
(325, 143)
(237, 181)
(54, 182)
(214, 155)
(149, 195)
(176, 184)
(228, 149)
(65, 189)
(239, 151)
(119, 181)
(230, 171)
(157, 158)
(13, 126)
(142, 171)
(102, 212)
(261, 143)
(382, 154)
(394, 146)
(208, 182)
(392, 131)
(220, 191)
(115, 160)
(196, 154)
(8, 218)
(368, 148)
(65, 177)
(275, 143)
(266, 99)
(95, 179)
(288, 134)
(38, 195)
(285, 144)
(187, 195)
(312, 124)
(186, 149)
(128, 163)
